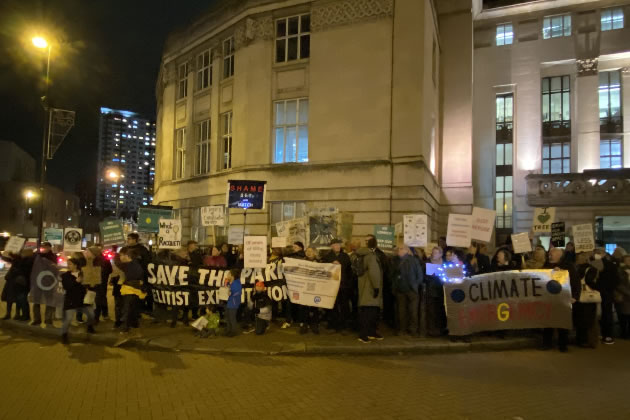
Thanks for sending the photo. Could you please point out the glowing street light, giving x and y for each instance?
(29, 194)
(40, 42)
(113, 175)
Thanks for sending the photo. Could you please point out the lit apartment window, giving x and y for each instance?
(610, 154)
(291, 131)
(610, 120)
(612, 19)
(228, 58)
(505, 34)
(556, 26)
(504, 158)
(202, 164)
(180, 153)
(293, 38)
(556, 127)
(182, 84)
(226, 123)
(204, 70)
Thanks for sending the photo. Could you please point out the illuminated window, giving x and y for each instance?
(202, 163)
(505, 34)
(504, 133)
(291, 131)
(180, 153)
(556, 158)
(293, 38)
(610, 154)
(610, 102)
(204, 70)
(556, 125)
(226, 125)
(612, 19)
(556, 26)
(182, 84)
(228, 58)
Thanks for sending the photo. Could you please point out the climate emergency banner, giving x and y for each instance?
(311, 283)
(182, 285)
(509, 300)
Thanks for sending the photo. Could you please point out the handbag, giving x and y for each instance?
(90, 297)
(588, 295)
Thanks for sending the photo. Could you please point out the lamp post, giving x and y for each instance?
(115, 176)
(28, 194)
(41, 43)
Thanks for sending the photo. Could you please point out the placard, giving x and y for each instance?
(149, 217)
(170, 234)
(255, 248)
(483, 221)
(459, 230)
(213, 216)
(543, 218)
(14, 244)
(385, 236)
(415, 229)
(112, 232)
(236, 235)
(72, 239)
(323, 225)
(432, 269)
(246, 195)
(521, 243)
(583, 238)
(278, 242)
(558, 234)
(312, 284)
(53, 235)
(293, 230)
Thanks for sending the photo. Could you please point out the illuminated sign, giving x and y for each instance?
(246, 194)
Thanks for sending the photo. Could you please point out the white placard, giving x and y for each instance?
(213, 216)
(236, 235)
(255, 248)
(415, 229)
(432, 268)
(294, 230)
(312, 284)
(482, 224)
(583, 238)
(72, 239)
(170, 234)
(521, 243)
(278, 242)
(14, 244)
(459, 230)
(543, 218)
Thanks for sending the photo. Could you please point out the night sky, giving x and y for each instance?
(107, 54)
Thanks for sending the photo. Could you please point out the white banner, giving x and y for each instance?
(255, 248)
(521, 243)
(14, 244)
(543, 218)
(312, 284)
(583, 238)
(459, 229)
(170, 234)
(415, 229)
(213, 216)
(482, 224)
(72, 238)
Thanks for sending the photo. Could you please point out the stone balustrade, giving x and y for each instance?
(590, 188)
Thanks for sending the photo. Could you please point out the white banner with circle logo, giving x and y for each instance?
(312, 284)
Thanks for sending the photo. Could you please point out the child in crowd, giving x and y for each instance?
(261, 306)
(233, 279)
(213, 318)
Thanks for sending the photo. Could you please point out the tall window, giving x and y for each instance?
(291, 131)
(612, 19)
(505, 34)
(228, 58)
(293, 38)
(180, 153)
(226, 122)
(610, 154)
(610, 120)
(202, 164)
(556, 110)
(182, 81)
(204, 70)
(556, 26)
(285, 210)
(504, 158)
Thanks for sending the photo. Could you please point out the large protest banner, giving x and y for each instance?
(312, 284)
(509, 300)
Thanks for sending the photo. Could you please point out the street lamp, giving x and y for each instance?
(28, 195)
(41, 43)
(115, 176)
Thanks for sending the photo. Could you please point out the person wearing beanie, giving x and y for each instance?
(260, 304)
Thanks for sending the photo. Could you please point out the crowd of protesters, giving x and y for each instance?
(376, 288)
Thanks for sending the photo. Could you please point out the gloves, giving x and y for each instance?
(375, 294)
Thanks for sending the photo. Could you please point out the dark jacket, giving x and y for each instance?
(371, 282)
(346, 267)
(260, 301)
(300, 255)
(75, 291)
(133, 274)
(574, 278)
(407, 276)
(483, 264)
(50, 256)
(608, 277)
(17, 279)
(143, 255)
(196, 258)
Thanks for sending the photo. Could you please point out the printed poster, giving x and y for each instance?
(583, 238)
(72, 239)
(312, 284)
(385, 237)
(170, 234)
(293, 230)
(521, 243)
(415, 228)
(558, 234)
(14, 244)
(459, 230)
(213, 216)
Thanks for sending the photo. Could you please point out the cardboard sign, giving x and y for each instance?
(255, 248)
(293, 230)
(112, 232)
(543, 218)
(72, 239)
(213, 216)
(385, 236)
(312, 284)
(278, 242)
(53, 235)
(483, 221)
(415, 228)
(583, 238)
(236, 235)
(459, 230)
(246, 195)
(557, 234)
(521, 243)
(170, 234)
(14, 244)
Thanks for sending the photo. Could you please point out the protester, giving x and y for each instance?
(233, 280)
(311, 254)
(569, 253)
(607, 283)
(132, 288)
(370, 277)
(585, 314)
(212, 327)
(215, 259)
(143, 257)
(289, 308)
(442, 242)
(340, 314)
(388, 311)
(502, 261)
(406, 280)
(261, 307)
(618, 255)
(17, 284)
(101, 268)
(476, 262)
(538, 260)
(74, 298)
(436, 313)
(47, 252)
(194, 254)
(276, 255)
(622, 297)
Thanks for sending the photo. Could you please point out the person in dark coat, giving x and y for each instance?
(340, 314)
(261, 308)
(94, 256)
(131, 289)
(502, 261)
(370, 291)
(436, 313)
(47, 252)
(389, 298)
(74, 298)
(569, 253)
(291, 311)
(622, 297)
(476, 262)
(17, 284)
(607, 284)
(585, 314)
(194, 254)
(143, 256)
(406, 278)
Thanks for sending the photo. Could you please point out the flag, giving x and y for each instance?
(46, 288)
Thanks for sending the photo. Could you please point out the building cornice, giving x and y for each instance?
(345, 12)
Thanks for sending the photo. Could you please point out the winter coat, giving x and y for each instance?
(236, 290)
(75, 291)
(608, 276)
(196, 258)
(622, 293)
(17, 279)
(142, 254)
(371, 282)
(346, 267)
(407, 276)
(261, 305)
(133, 279)
(483, 264)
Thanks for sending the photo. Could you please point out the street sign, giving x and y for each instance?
(112, 232)
(149, 216)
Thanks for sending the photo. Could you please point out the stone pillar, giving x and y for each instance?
(586, 120)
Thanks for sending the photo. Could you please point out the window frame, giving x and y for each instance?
(227, 120)
(300, 35)
(182, 81)
(562, 157)
(180, 153)
(228, 57)
(298, 207)
(611, 19)
(503, 38)
(504, 140)
(505, 219)
(610, 155)
(202, 147)
(563, 31)
(203, 78)
(285, 126)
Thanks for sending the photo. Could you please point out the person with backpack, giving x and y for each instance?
(370, 274)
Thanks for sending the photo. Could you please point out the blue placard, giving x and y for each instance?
(246, 195)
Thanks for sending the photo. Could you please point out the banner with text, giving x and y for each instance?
(170, 234)
(112, 232)
(482, 224)
(459, 230)
(213, 216)
(312, 284)
(543, 219)
(246, 195)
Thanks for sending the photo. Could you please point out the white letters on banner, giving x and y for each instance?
(415, 229)
(278, 242)
(213, 216)
(543, 218)
(521, 243)
(459, 229)
(312, 284)
(255, 248)
(14, 244)
(72, 238)
(583, 238)
(170, 234)
(482, 224)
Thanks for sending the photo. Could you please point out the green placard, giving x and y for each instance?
(385, 236)
(53, 235)
(112, 232)
(148, 218)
